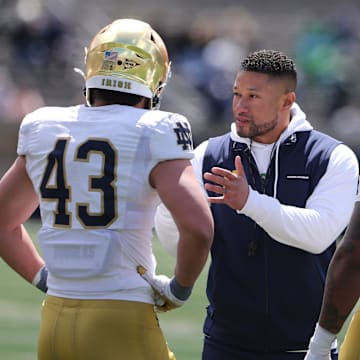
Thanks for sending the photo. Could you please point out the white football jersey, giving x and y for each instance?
(90, 167)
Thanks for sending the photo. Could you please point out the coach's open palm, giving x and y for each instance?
(232, 185)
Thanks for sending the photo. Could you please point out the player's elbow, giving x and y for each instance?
(200, 232)
(205, 235)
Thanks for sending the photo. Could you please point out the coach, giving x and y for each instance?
(281, 193)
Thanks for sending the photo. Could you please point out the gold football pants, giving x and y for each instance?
(100, 330)
(350, 348)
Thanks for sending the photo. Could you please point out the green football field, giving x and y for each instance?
(20, 313)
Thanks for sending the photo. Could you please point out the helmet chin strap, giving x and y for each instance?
(86, 90)
(155, 103)
(87, 96)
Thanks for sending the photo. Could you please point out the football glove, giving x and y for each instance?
(169, 294)
(40, 279)
(320, 344)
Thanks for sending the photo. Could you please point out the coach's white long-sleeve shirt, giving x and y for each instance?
(312, 228)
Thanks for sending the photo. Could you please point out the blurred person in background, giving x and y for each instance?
(37, 39)
(22, 100)
(327, 49)
(98, 171)
(281, 193)
(345, 121)
(208, 58)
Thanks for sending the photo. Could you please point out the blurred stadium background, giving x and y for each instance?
(42, 41)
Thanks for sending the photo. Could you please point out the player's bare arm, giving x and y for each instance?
(341, 296)
(195, 232)
(16, 247)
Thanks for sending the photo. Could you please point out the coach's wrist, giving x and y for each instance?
(243, 209)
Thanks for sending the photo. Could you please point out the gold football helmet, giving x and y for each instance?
(128, 56)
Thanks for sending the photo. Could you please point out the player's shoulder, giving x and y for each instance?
(165, 122)
(49, 113)
(164, 127)
(159, 117)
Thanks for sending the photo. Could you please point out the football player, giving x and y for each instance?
(280, 193)
(98, 171)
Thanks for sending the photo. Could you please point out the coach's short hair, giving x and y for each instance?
(273, 63)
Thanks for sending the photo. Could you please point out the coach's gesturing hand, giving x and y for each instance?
(232, 185)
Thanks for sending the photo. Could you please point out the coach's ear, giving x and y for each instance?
(289, 99)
